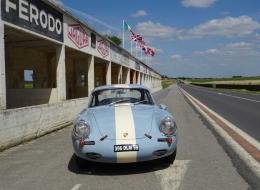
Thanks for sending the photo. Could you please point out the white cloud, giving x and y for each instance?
(240, 45)
(212, 51)
(228, 26)
(232, 49)
(198, 3)
(151, 29)
(139, 13)
(176, 57)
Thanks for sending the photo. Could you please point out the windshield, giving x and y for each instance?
(120, 95)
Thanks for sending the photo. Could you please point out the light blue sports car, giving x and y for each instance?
(122, 124)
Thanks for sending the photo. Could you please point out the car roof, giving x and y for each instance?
(133, 86)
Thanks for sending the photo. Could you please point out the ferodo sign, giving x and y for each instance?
(34, 15)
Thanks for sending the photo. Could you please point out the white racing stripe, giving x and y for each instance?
(124, 122)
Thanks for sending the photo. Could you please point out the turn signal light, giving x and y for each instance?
(81, 143)
(169, 140)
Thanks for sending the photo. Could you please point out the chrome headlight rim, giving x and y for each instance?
(81, 129)
(168, 126)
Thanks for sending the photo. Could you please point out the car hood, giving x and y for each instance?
(124, 121)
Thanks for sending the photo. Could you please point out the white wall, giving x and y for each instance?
(19, 125)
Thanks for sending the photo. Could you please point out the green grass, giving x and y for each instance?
(167, 82)
(28, 85)
(202, 80)
(243, 91)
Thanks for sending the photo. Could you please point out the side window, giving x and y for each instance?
(93, 40)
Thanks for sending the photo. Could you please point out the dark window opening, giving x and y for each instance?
(93, 40)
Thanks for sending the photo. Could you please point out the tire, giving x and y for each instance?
(170, 159)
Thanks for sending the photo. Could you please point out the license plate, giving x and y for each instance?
(126, 147)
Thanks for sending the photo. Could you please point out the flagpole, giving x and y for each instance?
(141, 55)
(136, 49)
(131, 44)
(123, 34)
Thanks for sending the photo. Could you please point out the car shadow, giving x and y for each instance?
(95, 168)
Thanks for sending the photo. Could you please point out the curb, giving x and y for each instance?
(244, 153)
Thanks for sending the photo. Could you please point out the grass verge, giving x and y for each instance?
(167, 82)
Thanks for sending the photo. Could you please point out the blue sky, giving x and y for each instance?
(192, 38)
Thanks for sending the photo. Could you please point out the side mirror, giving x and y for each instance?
(163, 107)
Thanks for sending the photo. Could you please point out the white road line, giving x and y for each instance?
(251, 166)
(171, 178)
(238, 97)
(250, 139)
(76, 187)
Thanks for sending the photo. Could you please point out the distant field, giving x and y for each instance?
(247, 81)
(167, 82)
(239, 80)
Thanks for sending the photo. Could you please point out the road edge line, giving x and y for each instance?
(247, 166)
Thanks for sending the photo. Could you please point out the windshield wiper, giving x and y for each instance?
(140, 102)
(119, 101)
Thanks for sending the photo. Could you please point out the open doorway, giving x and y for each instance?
(115, 74)
(30, 69)
(76, 74)
(100, 72)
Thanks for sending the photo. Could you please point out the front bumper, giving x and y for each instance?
(103, 151)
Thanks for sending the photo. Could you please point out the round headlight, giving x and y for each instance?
(168, 126)
(81, 129)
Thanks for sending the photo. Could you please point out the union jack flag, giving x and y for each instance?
(149, 51)
(141, 44)
(135, 37)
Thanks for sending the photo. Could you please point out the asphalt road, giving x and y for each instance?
(243, 110)
(201, 163)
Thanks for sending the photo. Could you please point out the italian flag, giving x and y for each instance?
(126, 27)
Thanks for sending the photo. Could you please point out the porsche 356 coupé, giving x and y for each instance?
(122, 124)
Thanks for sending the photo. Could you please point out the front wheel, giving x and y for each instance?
(170, 159)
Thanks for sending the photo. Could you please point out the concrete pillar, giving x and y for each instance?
(138, 79)
(2, 68)
(91, 74)
(108, 73)
(135, 81)
(120, 75)
(128, 76)
(61, 73)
